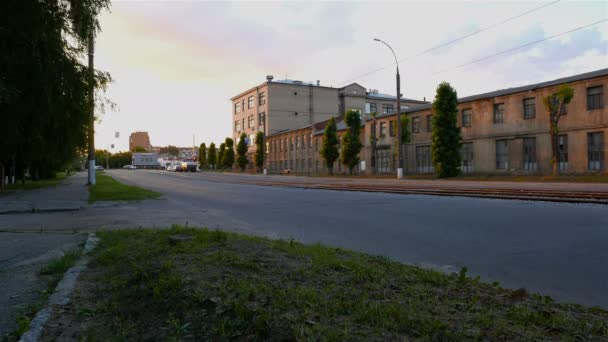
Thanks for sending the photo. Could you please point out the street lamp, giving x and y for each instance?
(399, 152)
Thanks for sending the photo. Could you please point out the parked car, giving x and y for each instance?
(188, 166)
(129, 167)
(174, 167)
(99, 168)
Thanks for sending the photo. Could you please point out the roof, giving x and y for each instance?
(390, 97)
(514, 90)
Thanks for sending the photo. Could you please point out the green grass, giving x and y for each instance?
(108, 189)
(32, 184)
(50, 274)
(224, 286)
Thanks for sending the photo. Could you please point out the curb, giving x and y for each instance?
(62, 293)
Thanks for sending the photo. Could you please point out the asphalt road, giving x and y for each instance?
(556, 249)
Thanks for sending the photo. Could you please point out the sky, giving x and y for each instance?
(176, 64)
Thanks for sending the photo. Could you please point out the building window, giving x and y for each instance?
(467, 157)
(297, 142)
(562, 151)
(502, 154)
(595, 151)
(262, 120)
(237, 126)
(251, 139)
(530, 154)
(416, 125)
(529, 108)
(237, 107)
(423, 159)
(251, 121)
(391, 128)
(467, 115)
(243, 105)
(250, 102)
(372, 108)
(429, 123)
(387, 108)
(595, 98)
(383, 129)
(499, 110)
(262, 99)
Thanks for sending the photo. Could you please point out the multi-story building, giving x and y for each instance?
(279, 105)
(139, 139)
(504, 131)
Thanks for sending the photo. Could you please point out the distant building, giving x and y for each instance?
(145, 160)
(139, 139)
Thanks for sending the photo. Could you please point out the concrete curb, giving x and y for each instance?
(39, 210)
(62, 293)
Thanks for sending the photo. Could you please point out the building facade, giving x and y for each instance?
(281, 105)
(503, 132)
(139, 139)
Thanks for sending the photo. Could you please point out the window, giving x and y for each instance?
(261, 120)
(467, 158)
(467, 115)
(429, 123)
(251, 121)
(391, 128)
(502, 154)
(372, 108)
(423, 159)
(387, 108)
(562, 151)
(530, 154)
(595, 151)
(499, 109)
(250, 102)
(237, 126)
(529, 108)
(251, 139)
(243, 105)
(595, 98)
(383, 129)
(416, 125)
(237, 107)
(262, 99)
(297, 142)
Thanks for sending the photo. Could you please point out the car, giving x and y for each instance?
(188, 166)
(129, 167)
(99, 168)
(174, 167)
(286, 171)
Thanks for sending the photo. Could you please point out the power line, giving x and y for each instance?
(518, 47)
(454, 40)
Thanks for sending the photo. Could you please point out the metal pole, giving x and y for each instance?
(91, 158)
(399, 145)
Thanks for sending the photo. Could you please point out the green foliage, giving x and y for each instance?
(555, 106)
(212, 156)
(172, 150)
(139, 149)
(116, 160)
(329, 148)
(351, 146)
(260, 150)
(228, 156)
(406, 134)
(202, 156)
(241, 150)
(220, 155)
(446, 140)
(44, 85)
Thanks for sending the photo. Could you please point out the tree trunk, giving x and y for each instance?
(554, 153)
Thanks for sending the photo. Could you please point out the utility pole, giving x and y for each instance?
(91, 158)
(399, 145)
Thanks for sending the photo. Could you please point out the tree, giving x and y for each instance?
(228, 157)
(406, 134)
(260, 150)
(241, 150)
(351, 146)
(329, 148)
(446, 140)
(171, 150)
(555, 106)
(202, 156)
(211, 156)
(137, 149)
(220, 155)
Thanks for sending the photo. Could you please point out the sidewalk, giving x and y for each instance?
(70, 195)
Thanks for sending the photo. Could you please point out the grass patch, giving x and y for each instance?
(107, 188)
(33, 184)
(50, 274)
(221, 286)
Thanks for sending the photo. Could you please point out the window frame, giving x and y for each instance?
(530, 156)
(499, 113)
(529, 109)
(596, 100)
(416, 124)
(429, 123)
(595, 158)
(467, 113)
(504, 160)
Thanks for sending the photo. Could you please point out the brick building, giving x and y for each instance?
(139, 139)
(504, 131)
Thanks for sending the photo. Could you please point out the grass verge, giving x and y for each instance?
(32, 184)
(221, 286)
(50, 274)
(108, 189)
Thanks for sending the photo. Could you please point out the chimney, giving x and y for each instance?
(269, 78)
(318, 82)
(424, 99)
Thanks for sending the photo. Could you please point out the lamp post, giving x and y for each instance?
(399, 152)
